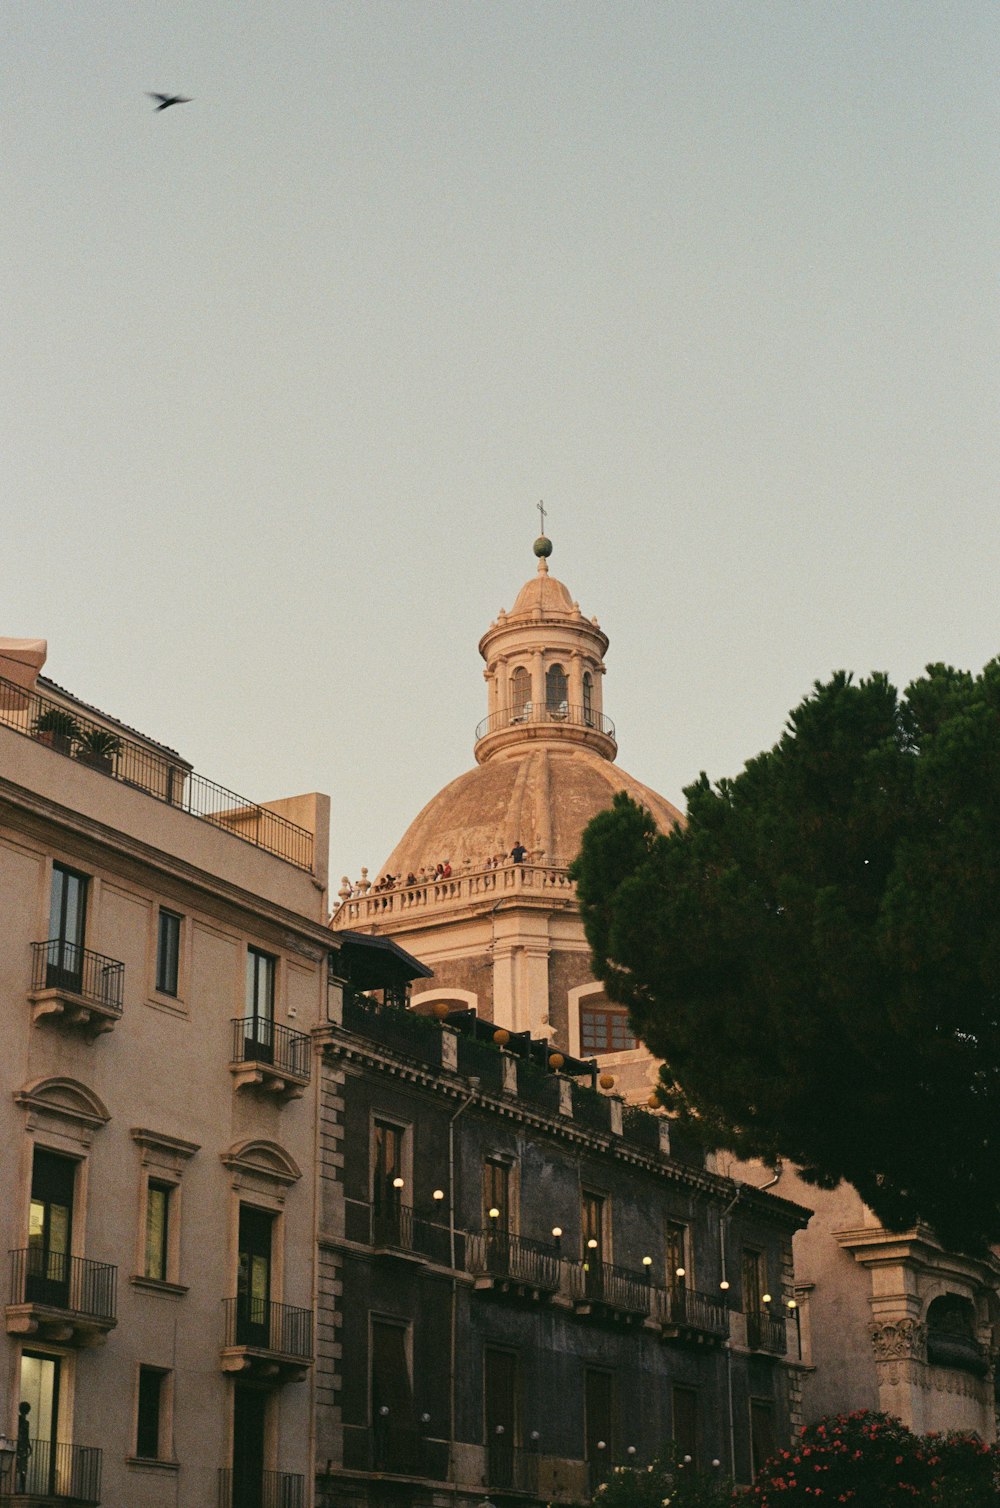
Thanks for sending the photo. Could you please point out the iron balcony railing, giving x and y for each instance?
(241, 1488)
(258, 1039)
(154, 773)
(58, 1281)
(262, 1326)
(688, 1309)
(398, 1228)
(61, 965)
(398, 1449)
(497, 1254)
(509, 1468)
(514, 717)
(766, 1331)
(54, 1472)
(605, 1283)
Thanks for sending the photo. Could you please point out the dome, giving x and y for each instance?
(543, 592)
(539, 795)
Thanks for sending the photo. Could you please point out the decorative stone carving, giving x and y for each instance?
(900, 1339)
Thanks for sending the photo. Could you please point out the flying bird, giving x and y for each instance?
(169, 99)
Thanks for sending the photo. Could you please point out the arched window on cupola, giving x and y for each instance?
(588, 698)
(520, 695)
(556, 704)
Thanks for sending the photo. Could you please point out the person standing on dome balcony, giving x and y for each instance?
(519, 853)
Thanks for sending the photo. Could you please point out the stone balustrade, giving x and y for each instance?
(458, 890)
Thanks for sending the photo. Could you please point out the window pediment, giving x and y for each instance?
(67, 1103)
(263, 1160)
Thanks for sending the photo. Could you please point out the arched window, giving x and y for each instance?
(520, 695)
(555, 691)
(605, 1028)
(588, 698)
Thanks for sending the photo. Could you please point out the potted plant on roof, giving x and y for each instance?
(57, 728)
(97, 748)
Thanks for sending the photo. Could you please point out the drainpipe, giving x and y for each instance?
(723, 1223)
(453, 1389)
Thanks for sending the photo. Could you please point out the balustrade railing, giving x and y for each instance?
(497, 1254)
(53, 1472)
(398, 1449)
(507, 879)
(766, 1332)
(263, 1326)
(691, 1310)
(258, 1039)
(241, 1488)
(60, 964)
(154, 773)
(528, 713)
(56, 1280)
(608, 1284)
(508, 1467)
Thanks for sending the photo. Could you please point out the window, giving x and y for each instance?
(50, 1228)
(605, 1028)
(555, 691)
(762, 1438)
(67, 917)
(258, 1021)
(149, 1413)
(951, 1335)
(168, 948)
(35, 1468)
(685, 1401)
(588, 699)
(592, 1210)
(157, 1230)
(754, 1280)
(390, 1224)
(520, 695)
(501, 1415)
(599, 1420)
(253, 1283)
(677, 1266)
(391, 1397)
(496, 1194)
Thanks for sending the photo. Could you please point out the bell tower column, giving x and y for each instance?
(537, 686)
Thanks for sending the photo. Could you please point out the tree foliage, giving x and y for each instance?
(815, 954)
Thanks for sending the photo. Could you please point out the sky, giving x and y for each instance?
(285, 371)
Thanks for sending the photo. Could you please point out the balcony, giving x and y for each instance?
(74, 988)
(396, 1230)
(56, 1297)
(152, 769)
(605, 1288)
(395, 1450)
(270, 1058)
(687, 1315)
(271, 1489)
(510, 1469)
(766, 1332)
(269, 1342)
(532, 720)
(54, 1473)
(511, 1264)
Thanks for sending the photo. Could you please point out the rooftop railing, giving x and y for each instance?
(561, 712)
(153, 772)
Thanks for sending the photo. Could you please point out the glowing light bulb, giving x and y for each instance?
(397, 1183)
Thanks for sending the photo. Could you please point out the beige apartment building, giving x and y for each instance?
(164, 959)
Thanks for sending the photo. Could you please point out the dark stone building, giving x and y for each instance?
(521, 1283)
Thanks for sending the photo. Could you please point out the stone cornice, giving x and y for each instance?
(872, 1245)
(39, 813)
(350, 1048)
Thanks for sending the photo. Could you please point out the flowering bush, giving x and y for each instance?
(669, 1482)
(873, 1461)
